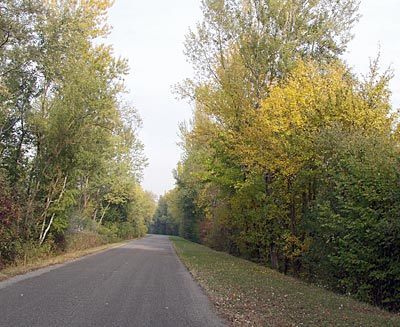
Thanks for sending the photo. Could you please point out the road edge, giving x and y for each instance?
(15, 274)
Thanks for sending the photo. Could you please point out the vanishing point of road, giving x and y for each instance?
(139, 284)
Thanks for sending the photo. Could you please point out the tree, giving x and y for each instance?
(266, 38)
(160, 217)
(77, 107)
(69, 147)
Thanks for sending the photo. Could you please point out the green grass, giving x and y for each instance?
(247, 294)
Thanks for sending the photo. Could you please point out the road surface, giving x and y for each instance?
(140, 284)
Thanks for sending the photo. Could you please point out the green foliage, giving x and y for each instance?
(263, 40)
(176, 213)
(70, 157)
(356, 216)
(163, 221)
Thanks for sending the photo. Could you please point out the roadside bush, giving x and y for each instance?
(84, 240)
(9, 236)
(126, 231)
(109, 231)
(355, 220)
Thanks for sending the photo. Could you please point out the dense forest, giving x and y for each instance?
(290, 159)
(70, 157)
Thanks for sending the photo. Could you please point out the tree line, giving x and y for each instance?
(70, 158)
(290, 159)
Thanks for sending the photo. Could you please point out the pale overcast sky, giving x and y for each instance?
(150, 35)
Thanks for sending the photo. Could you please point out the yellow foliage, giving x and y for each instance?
(93, 12)
(281, 135)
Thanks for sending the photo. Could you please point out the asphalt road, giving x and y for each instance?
(140, 284)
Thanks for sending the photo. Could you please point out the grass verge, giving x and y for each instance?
(247, 294)
(21, 269)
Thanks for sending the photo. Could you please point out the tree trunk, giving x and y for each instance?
(103, 213)
(44, 230)
(268, 181)
(274, 257)
(43, 236)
